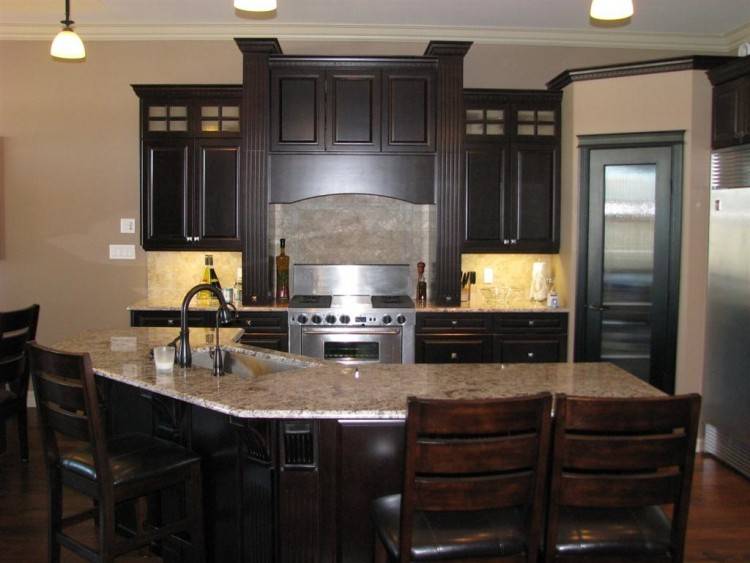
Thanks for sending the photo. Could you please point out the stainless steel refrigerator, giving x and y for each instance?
(726, 387)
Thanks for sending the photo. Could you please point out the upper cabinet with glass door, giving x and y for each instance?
(189, 111)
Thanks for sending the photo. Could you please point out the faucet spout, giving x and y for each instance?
(224, 314)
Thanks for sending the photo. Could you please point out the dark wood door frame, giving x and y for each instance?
(665, 380)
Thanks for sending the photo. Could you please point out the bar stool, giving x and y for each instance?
(125, 468)
(616, 462)
(16, 328)
(473, 482)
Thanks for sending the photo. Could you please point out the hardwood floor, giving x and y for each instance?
(718, 532)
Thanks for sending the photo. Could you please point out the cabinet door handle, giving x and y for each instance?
(531, 323)
(171, 322)
(506, 241)
(530, 355)
(189, 239)
(248, 323)
(513, 241)
(454, 323)
(454, 355)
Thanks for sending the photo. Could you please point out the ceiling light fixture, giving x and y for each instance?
(611, 10)
(255, 5)
(66, 44)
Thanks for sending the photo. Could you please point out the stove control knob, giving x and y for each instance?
(316, 319)
(401, 319)
(331, 319)
(387, 319)
(344, 319)
(301, 319)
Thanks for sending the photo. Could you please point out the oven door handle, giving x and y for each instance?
(354, 330)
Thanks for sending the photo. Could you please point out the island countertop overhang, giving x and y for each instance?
(325, 390)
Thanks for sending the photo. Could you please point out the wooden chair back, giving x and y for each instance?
(617, 453)
(466, 455)
(68, 404)
(16, 328)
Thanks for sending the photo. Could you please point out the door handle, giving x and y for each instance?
(599, 308)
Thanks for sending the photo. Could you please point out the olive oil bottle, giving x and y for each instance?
(282, 274)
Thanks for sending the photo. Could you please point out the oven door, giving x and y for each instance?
(353, 345)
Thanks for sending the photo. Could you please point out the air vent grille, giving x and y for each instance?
(729, 451)
(299, 444)
(730, 168)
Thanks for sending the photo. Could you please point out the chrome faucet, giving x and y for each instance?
(224, 314)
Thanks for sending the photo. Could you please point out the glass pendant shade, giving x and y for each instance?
(611, 9)
(67, 45)
(255, 5)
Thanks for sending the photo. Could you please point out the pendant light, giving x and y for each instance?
(255, 5)
(611, 10)
(67, 45)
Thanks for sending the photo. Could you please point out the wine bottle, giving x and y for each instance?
(282, 274)
(209, 277)
(421, 285)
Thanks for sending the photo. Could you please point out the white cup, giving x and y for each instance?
(164, 358)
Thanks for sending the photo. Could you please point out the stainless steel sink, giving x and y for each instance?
(244, 365)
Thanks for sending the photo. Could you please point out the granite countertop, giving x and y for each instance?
(195, 305)
(318, 389)
(519, 306)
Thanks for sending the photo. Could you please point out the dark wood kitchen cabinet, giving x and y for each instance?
(339, 107)
(491, 337)
(190, 167)
(264, 329)
(512, 157)
(731, 103)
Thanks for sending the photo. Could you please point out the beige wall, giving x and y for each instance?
(70, 152)
(659, 102)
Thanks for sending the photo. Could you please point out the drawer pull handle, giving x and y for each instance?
(248, 323)
(454, 323)
(531, 323)
(454, 355)
(171, 321)
(530, 354)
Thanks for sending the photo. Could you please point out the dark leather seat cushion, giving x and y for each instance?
(132, 457)
(451, 535)
(627, 532)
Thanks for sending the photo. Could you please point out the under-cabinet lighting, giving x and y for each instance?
(255, 5)
(611, 9)
(66, 44)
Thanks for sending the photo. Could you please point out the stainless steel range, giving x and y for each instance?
(352, 313)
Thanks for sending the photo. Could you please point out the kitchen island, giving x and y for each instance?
(292, 459)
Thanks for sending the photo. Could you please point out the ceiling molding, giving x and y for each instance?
(738, 36)
(717, 43)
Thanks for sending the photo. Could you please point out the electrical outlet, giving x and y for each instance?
(122, 252)
(127, 226)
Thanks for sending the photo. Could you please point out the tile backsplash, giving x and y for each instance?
(171, 274)
(509, 270)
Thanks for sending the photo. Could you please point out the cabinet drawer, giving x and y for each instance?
(168, 318)
(557, 322)
(272, 341)
(260, 322)
(449, 322)
(528, 351)
(453, 349)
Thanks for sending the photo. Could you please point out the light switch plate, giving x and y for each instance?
(122, 252)
(127, 226)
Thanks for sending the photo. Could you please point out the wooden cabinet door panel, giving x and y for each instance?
(353, 111)
(510, 350)
(408, 111)
(217, 193)
(534, 197)
(297, 110)
(166, 192)
(448, 349)
(744, 101)
(486, 195)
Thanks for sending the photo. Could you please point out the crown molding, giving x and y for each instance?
(610, 38)
(738, 36)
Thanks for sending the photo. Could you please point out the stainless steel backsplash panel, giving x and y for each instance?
(351, 279)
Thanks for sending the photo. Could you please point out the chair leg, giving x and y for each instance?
(381, 555)
(106, 530)
(55, 515)
(23, 435)
(195, 503)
